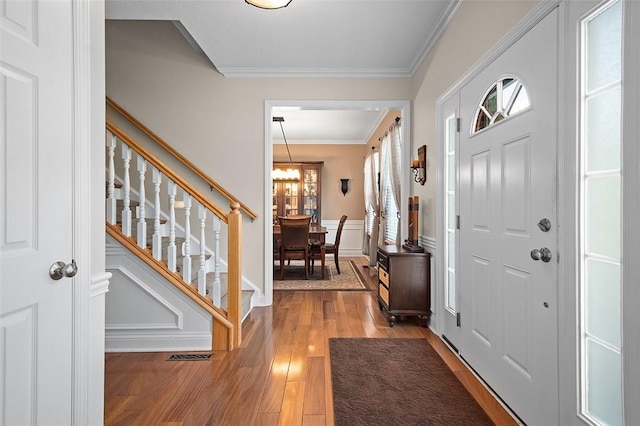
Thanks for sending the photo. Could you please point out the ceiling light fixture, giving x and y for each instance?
(292, 174)
(269, 4)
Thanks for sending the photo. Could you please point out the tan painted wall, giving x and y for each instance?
(340, 161)
(381, 130)
(474, 29)
(218, 122)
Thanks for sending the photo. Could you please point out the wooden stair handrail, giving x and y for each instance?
(212, 183)
(153, 160)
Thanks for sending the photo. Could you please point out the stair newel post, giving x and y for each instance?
(111, 180)
(126, 188)
(186, 248)
(142, 198)
(202, 272)
(156, 246)
(234, 256)
(216, 296)
(171, 250)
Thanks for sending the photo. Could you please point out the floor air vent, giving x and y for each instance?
(189, 357)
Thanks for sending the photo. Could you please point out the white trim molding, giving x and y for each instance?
(99, 284)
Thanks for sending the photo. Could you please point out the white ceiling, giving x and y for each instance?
(309, 38)
(325, 126)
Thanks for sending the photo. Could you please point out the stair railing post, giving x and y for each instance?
(186, 248)
(234, 259)
(171, 250)
(142, 198)
(217, 285)
(156, 246)
(126, 188)
(202, 272)
(111, 180)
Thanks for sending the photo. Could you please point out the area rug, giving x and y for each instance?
(348, 279)
(397, 382)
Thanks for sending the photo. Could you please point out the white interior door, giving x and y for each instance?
(508, 183)
(35, 211)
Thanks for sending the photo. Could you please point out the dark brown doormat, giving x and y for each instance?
(397, 382)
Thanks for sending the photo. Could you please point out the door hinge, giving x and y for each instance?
(457, 221)
(458, 125)
(457, 319)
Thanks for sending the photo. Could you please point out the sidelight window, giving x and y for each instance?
(600, 215)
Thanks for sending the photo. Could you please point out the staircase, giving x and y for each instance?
(205, 265)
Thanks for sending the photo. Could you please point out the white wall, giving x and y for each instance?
(146, 313)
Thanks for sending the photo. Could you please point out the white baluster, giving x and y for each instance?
(111, 181)
(142, 198)
(216, 296)
(186, 248)
(202, 273)
(171, 250)
(126, 188)
(157, 236)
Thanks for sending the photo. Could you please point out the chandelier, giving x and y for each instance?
(292, 174)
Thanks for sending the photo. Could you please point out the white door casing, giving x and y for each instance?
(36, 223)
(508, 184)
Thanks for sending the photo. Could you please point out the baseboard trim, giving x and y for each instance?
(142, 342)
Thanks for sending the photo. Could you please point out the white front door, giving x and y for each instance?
(509, 308)
(36, 212)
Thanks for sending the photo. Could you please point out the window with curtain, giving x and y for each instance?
(390, 170)
(371, 170)
(391, 215)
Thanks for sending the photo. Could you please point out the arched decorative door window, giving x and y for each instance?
(505, 98)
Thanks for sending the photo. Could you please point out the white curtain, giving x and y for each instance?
(384, 183)
(372, 197)
(395, 158)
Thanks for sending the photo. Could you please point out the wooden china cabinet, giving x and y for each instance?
(298, 198)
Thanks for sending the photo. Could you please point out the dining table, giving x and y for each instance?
(316, 232)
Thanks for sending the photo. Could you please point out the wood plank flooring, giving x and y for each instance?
(279, 376)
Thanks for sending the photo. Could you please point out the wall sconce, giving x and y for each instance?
(345, 186)
(419, 166)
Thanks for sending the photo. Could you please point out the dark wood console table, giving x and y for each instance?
(404, 283)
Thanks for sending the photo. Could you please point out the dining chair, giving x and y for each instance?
(294, 241)
(315, 246)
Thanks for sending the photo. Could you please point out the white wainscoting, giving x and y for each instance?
(351, 240)
(429, 245)
(146, 313)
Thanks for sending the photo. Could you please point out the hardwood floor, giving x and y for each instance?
(279, 376)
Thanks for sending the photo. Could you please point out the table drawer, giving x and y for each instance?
(383, 259)
(384, 293)
(383, 276)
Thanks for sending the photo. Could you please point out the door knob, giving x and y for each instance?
(544, 224)
(543, 254)
(60, 269)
